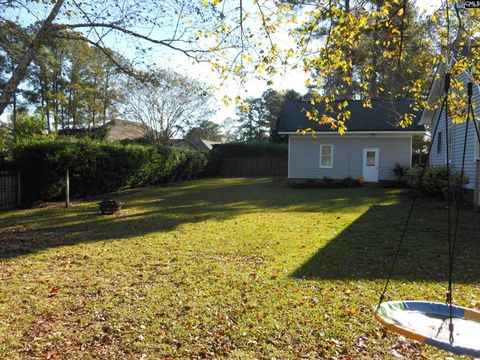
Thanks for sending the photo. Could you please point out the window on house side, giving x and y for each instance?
(326, 156)
(477, 148)
(439, 142)
(451, 141)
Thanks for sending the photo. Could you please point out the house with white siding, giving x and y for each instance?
(372, 146)
(456, 131)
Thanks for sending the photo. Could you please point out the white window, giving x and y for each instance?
(326, 156)
(371, 158)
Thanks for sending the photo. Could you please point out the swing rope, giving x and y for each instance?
(410, 212)
(452, 235)
(449, 216)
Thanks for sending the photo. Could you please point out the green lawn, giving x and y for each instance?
(223, 268)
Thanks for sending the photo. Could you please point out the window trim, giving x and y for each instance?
(321, 156)
(476, 154)
(439, 142)
(451, 148)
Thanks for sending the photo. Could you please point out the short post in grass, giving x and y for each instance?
(67, 189)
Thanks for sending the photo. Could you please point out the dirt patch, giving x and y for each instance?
(56, 204)
(21, 238)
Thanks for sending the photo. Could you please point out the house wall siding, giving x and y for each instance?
(304, 155)
(457, 137)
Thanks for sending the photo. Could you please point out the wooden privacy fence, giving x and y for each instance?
(250, 167)
(9, 189)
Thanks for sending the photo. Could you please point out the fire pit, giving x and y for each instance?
(110, 207)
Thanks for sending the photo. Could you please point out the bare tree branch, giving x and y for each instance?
(21, 69)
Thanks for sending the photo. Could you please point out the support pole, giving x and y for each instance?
(67, 190)
(477, 189)
(19, 188)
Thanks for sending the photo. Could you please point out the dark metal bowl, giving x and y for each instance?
(110, 207)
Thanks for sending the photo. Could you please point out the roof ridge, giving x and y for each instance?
(353, 100)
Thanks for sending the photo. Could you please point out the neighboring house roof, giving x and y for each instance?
(196, 144)
(123, 129)
(383, 116)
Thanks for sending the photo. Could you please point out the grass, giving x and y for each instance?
(223, 268)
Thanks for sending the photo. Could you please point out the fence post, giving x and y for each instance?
(477, 189)
(67, 190)
(19, 188)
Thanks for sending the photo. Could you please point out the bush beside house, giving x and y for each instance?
(435, 179)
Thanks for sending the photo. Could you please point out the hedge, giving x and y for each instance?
(98, 167)
(323, 183)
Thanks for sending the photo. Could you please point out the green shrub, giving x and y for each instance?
(434, 181)
(324, 183)
(97, 167)
(168, 165)
(400, 171)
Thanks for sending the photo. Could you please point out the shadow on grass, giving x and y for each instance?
(366, 248)
(160, 209)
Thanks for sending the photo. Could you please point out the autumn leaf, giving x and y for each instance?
(53, 291)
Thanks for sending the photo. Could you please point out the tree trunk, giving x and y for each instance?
(69, 107)
(56, 101)
(21, 69)
(44, 105)
(14, 117)
(94, 99)
(105, 96)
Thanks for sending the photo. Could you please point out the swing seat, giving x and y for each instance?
(427, 322)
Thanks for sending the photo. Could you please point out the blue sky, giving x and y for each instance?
(290, 79)
(162, 57)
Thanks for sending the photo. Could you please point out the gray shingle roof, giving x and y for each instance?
(382, 116)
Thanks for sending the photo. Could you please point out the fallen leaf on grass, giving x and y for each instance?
(53, 291)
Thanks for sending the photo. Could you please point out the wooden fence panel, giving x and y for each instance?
(252, 167)
(9, 198)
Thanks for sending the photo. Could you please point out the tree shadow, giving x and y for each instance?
(366, 248)
(161, 209)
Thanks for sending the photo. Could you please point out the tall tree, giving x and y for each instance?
(230, 130)
(167, 24)
(259, 118)
(74, 84)
(206, 130)
(240, 39)
(13, 41)
(168, 105)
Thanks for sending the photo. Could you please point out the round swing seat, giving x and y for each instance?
(428, 322)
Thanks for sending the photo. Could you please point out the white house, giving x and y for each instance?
(456, 132)
(371, 147)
